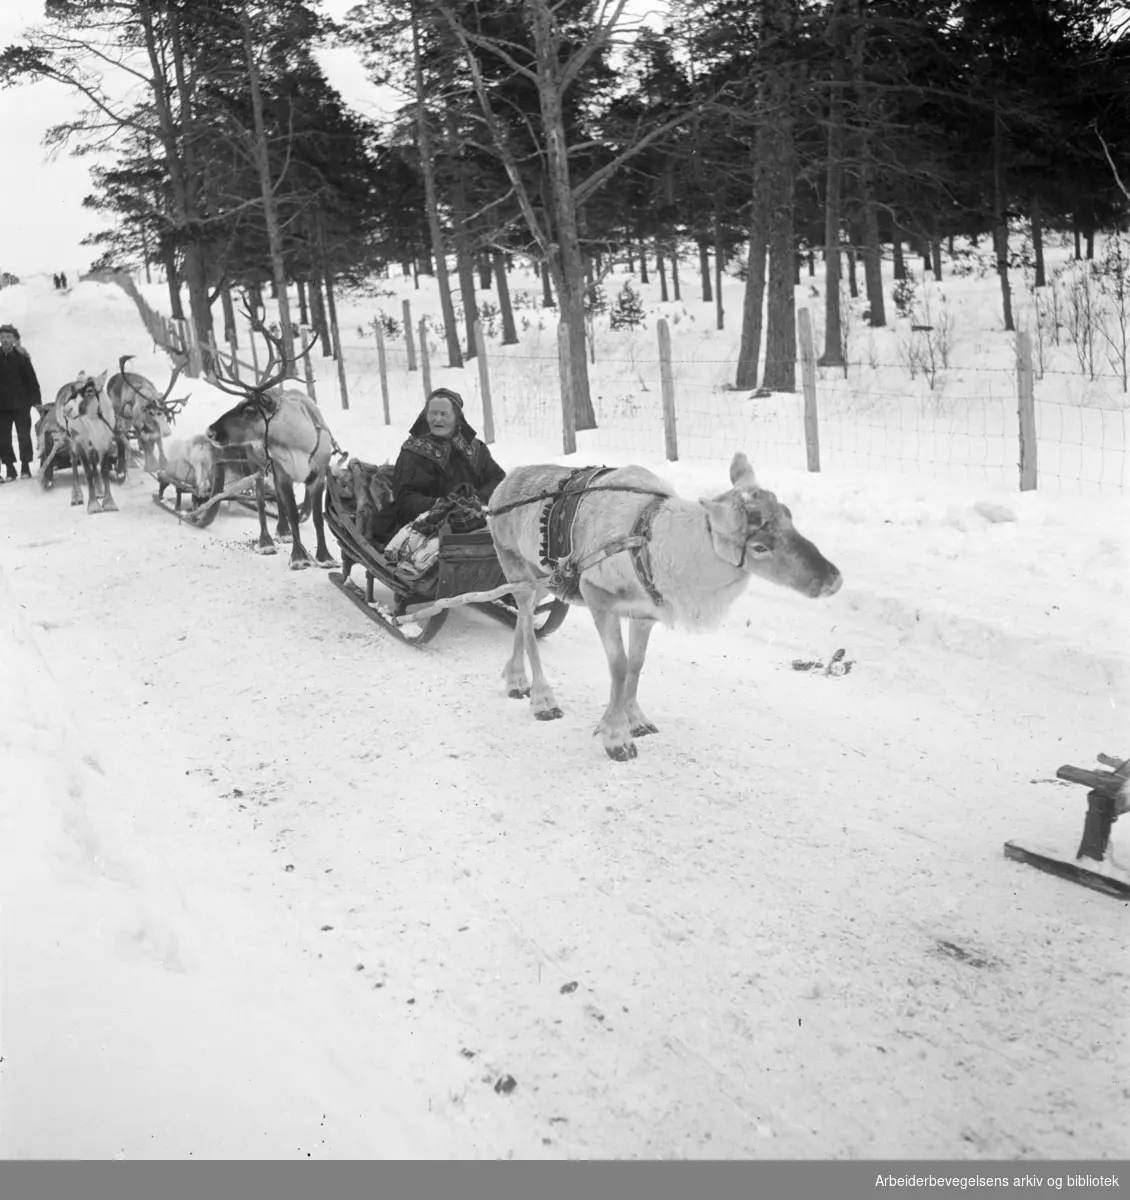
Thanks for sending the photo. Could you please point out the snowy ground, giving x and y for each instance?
(275, 885)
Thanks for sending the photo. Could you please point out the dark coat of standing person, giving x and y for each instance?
(442, 454)
(19, 393)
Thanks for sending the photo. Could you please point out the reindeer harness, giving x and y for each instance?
(558, 518)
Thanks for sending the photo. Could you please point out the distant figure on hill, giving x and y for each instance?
(55, 280)
(63, 280)
(19, 393)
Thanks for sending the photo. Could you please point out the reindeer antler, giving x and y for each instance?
(141, 396)
(273, 373)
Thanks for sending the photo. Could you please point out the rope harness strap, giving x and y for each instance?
(557, 522)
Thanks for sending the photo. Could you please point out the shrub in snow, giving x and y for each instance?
(628, 311)
(903, 295)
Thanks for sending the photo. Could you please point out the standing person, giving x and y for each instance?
(63, 280)
(19, 393)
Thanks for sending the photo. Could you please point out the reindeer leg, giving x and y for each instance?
(542, 700)
(108, 504)
(613, 726)
(299, 555)
(90, 470)
(77, 462)
(639, 632)
(314, 494)
(266, 544)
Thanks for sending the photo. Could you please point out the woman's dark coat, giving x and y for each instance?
(19, 387)
(430, 468)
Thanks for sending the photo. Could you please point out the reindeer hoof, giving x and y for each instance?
(109, 506)
(76, 503)
(299, 564)
(644, 730)
(327, 564)
(517, 693)
(548, 714)
(271, 549)
(622, 753)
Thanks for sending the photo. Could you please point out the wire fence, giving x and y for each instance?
(964, 423)
(944, 421)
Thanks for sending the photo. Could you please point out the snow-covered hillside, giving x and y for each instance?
(276, 885)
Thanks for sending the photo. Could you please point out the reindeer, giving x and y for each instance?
(638, 551)
(285, 429)
(86, 418)
(140, 409)
(189, 466)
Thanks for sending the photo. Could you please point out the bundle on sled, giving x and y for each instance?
(1093, 864)
(444, 559)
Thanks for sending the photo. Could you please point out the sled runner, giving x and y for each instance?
(1092, 866)
(467, 571)
(205, 497)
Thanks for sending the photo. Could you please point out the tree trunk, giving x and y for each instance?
(900, 262)
(719, 261)
(546, 289)
(180, 163)
(464, 256)
(936, 258)
(567, 265)
(1037, 240)
(484, 270)
(644, 277)
(303, 311)
(704, 268)
(331, 306)
(509, 333)
(231, 335)
(853, 277)
(833, 355)
(780, 324)
(431, 202)
(749, 351)
(1001, 229)
(661, 267)
(266, 188)
(169, 261)
(675, 272)
(318, 314)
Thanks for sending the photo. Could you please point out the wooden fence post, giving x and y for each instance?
(425, 361)
(568, 396)
(808, 382)
(1026, 392)
(667, 386)
(408, 336)
(382, 367)
(307, 365)
(484, 384)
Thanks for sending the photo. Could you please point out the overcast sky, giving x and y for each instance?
(42, 221)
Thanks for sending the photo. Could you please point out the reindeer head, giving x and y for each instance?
(753, 531)
(86, 395)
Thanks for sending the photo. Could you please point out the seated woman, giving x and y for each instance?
(442, 453)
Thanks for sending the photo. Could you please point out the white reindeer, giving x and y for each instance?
(641, 552)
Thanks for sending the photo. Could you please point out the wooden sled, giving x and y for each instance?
(467, 572)
(1108, 799)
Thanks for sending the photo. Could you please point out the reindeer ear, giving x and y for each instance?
(741, 473)
(727, 529)
(100, 382)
